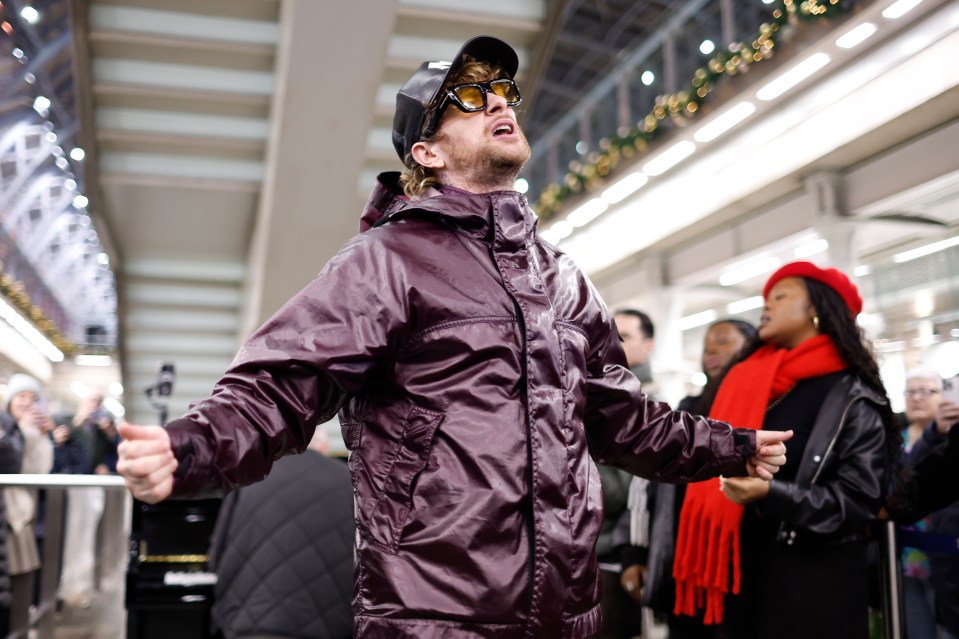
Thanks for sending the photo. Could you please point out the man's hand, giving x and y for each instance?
(947, 414)
(743, 490)
(146, 462)
(770, 453)
(632, 579)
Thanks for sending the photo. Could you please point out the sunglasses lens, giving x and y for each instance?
(471, 96)
(506, 90)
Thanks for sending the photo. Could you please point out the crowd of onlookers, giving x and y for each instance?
(36, 441)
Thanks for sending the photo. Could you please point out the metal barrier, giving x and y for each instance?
(42, 619)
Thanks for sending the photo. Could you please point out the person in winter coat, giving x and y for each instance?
(282, 551)
(725, 339)
(34, 425)
(476, 372)
(812, 372)
(11, 459)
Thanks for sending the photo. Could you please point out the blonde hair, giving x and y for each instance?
(417, 179)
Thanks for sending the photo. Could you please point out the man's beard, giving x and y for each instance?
(491, 164)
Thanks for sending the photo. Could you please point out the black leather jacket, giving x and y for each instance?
(843, 473)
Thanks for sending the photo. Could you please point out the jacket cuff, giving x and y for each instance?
(632, 555)
(744, 447)
(189, 478)
(778, 502)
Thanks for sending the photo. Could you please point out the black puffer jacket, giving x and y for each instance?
(843, 472)
(283, 553)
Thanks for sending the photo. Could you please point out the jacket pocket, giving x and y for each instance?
(392, 507)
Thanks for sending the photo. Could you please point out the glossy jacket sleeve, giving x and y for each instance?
(851, 495)
(296, 371)
(647, 438)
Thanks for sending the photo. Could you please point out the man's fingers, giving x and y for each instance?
(766, 437)
(139, 470)
(132, 431)
(140, 448)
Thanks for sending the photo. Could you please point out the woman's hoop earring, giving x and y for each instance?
(815, 321)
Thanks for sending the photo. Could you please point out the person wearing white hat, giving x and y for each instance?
(22, 403)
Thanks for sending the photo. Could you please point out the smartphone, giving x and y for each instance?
(950, 389)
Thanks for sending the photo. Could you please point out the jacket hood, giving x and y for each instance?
(466, 210)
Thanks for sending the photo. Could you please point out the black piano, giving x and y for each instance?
(169, 586)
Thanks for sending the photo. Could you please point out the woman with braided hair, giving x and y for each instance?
(810, 372)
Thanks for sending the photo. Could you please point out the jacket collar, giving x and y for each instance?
(470, 212)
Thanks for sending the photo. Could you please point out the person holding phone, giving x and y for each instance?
(24, 403)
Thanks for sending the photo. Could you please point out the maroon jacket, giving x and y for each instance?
(476, 371)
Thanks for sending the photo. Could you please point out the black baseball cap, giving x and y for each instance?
(415, 97)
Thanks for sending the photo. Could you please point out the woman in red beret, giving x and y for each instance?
(787, 558)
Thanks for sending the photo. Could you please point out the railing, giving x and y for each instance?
(663, 64)
(42, 618)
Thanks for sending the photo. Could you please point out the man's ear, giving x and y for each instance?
(425, 155)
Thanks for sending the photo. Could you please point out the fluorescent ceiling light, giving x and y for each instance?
(855, 36)
(587, 212)
(669, 158)
(748, 270)
(811, 248)
(115, 407)
(30, 333)
(697, 319)
(862, 270)
(558, 231)
(80, 389)
(724, 122)
(748, 304)
(899, 9)
(922, 251)
(93, 360)
(625, 187)
(794, 76)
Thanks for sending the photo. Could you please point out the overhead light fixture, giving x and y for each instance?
(697, 319)
(748, 269)
(557, 232)
(30, 333)
(41, 104)
(115, 407)
(748, 304)
(724, 122)
(793, 76)
(707, 47)
(811, 248)
(587, 212)
(30, 15)
(669, 158)
(855, 36)
(648, 77)
(93, 360)
(116, 388)
(900, 8)
(77, 154)
(922, 251)
(625, 187)
(80, 201)
(79, 389)
(862, 270)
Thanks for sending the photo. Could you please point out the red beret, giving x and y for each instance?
(833, 278)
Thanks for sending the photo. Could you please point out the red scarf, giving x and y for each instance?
(707, 544)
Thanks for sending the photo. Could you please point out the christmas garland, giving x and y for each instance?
(20, 300)
(682, 106)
